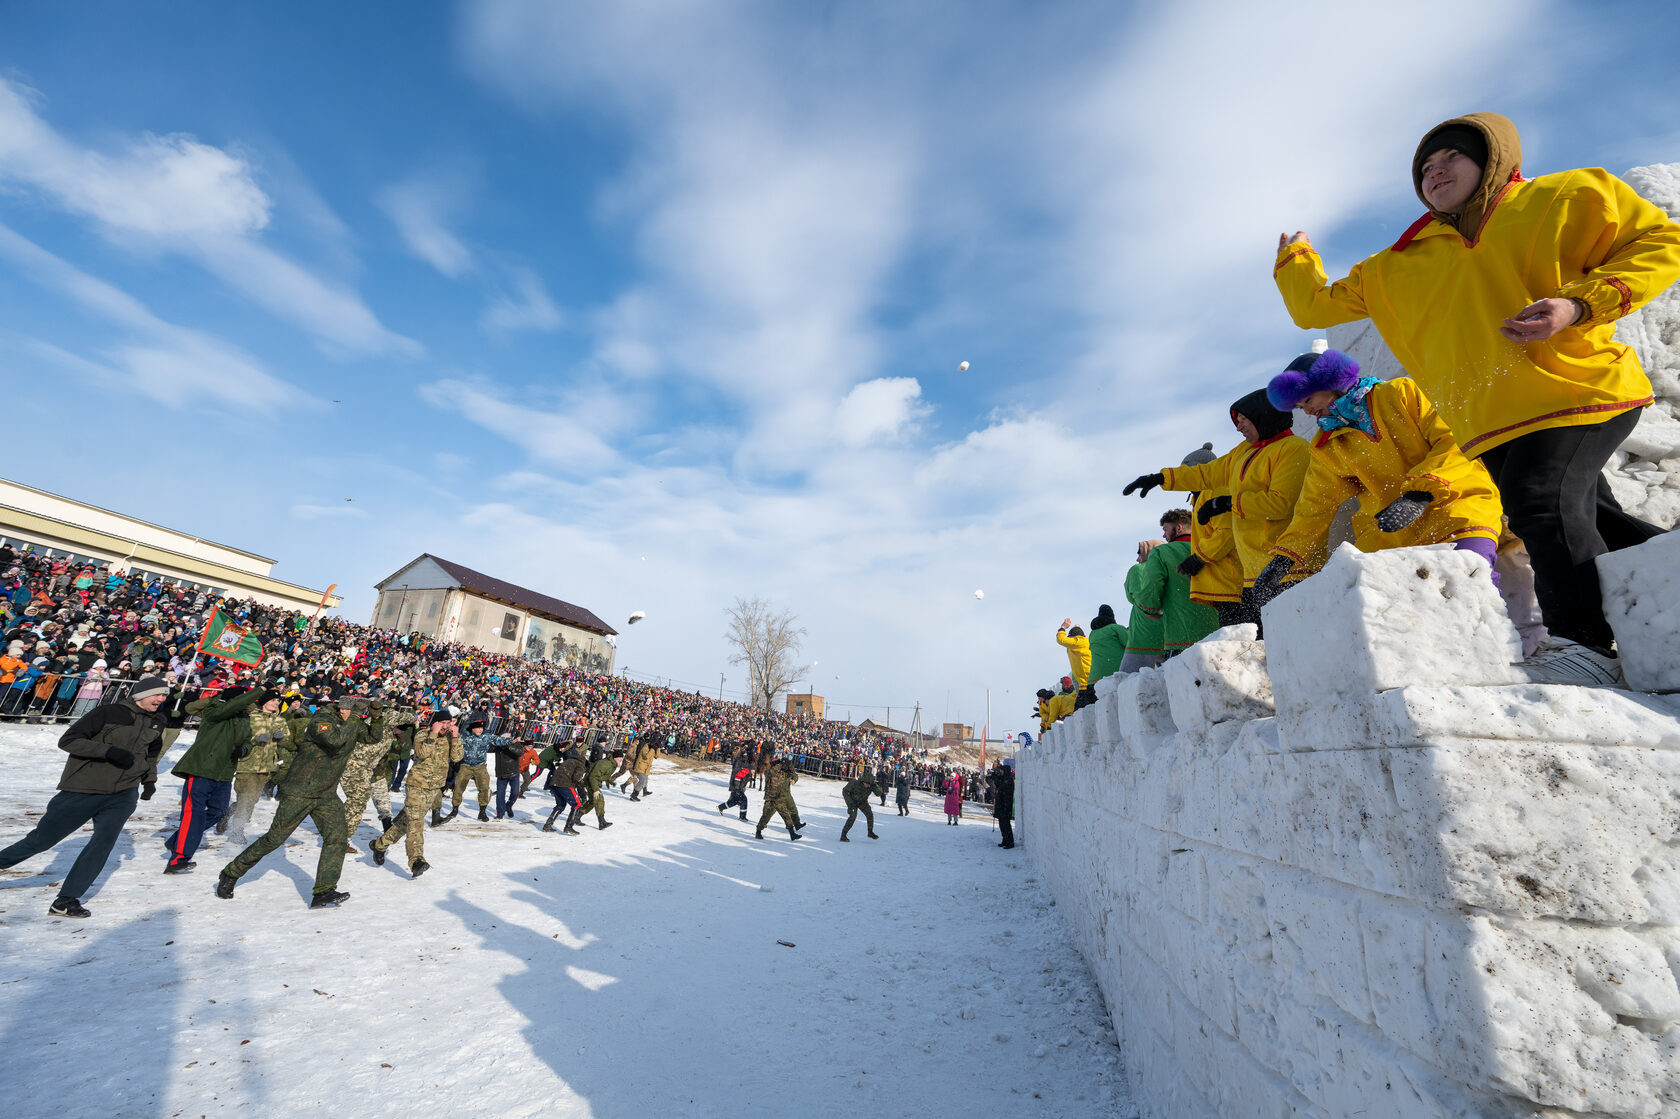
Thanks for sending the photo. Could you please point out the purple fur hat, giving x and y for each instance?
(1312, 373)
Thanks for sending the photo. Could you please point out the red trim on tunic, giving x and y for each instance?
(1304, 250)
(1620, 406)
(1626, 293)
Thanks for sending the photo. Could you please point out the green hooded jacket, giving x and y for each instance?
(224, 726)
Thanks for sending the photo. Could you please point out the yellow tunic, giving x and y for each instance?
(1216, 545)
(1439, 300)
(1263, 480)
(1412, 450)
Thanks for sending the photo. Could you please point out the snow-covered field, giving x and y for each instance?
(632, 972)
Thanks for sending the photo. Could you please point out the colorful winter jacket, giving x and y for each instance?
(1164, 591)
(1412, 450)
(1144, 635)
(1438, 298)
(1078, 654)
(1263, 480)
(1216, 545)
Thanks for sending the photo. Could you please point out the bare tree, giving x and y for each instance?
(768, 644)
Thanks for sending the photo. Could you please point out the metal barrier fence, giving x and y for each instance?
(53, 698)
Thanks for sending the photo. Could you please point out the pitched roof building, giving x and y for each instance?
(454, 603)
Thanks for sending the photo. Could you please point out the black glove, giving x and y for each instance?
(1192, 565)
(241, 750)
(119, 757)
(1212, 509)
(271, 790)
(147, 790)
(1403, 510)
(1269, 583)
(1143, 483)
(261, 738)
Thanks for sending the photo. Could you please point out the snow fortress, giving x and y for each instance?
(1362, 869)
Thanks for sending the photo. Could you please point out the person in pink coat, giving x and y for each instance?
(953, 799)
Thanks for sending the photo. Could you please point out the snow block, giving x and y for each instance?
(1642, 603)
(1142, 709)
(1367, 623)
(1218, 682)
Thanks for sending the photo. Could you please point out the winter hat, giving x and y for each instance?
(1312, 373)
(1268, 421)
(1067, 683)
(1199, 456)
(147, 688)
(1105, 617)
(1460, 137)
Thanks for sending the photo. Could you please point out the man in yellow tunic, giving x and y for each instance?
(1501, 303)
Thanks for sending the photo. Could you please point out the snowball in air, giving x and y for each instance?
(979, 594)
(963, 368)
(636, 617)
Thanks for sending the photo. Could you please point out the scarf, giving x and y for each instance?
(1350, 409)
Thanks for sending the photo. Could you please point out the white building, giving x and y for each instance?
(454, 603)
(47, 522)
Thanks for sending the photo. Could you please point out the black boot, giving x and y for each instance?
(419, 867)
(722, 808)
(872, 835)
(378, 853)
(552, 816)
(843, 838)
(483, 813)
(221, 826)
(605, 824)
(454, 811)
(437, 817)
(743, 815)
(224, 886)
(760, 833)
(571, 819)
(794, 835)
(328, 898)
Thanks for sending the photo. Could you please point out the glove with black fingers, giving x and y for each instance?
(1192, 565)
(119, 757)
(1143, 483)
(147, 790)
(1403, 510)
(241, 750)
(1269, 583)
(1211, 509)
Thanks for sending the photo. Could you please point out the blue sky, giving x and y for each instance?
(650, 305)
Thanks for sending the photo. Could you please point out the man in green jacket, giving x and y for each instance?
(600, 772)
(857, 792)
(308, 789)
(207, 768)
(1163, 590)
(113, 752)
(778, 798)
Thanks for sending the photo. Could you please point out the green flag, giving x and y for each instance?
(224, 637)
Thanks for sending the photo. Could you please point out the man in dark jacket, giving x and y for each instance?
(565, 778)
(857, 792)
(113, 751)
(901, 784)
(206, 770)
(1002, 779)
(308, 789)
(740, 774)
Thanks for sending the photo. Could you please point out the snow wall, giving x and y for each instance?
(1359, 869)
(1363, 869)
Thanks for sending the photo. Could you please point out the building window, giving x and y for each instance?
(472, 618)
(431, 611)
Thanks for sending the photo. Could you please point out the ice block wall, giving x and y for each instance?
(1362, 869)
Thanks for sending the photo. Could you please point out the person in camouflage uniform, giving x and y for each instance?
(857, 793)
(268, 740)
(434, 749)
(367, 758)
(308, 789)
(778, 798)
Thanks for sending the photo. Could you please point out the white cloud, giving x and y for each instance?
(527, 307)
(878, 409)
(419, 208)
(172, 364)
(553, 437)
(176, 194)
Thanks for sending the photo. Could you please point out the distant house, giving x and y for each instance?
(805, 703)
(454, 603)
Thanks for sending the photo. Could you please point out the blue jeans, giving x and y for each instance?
(507, 791)
(65, 815)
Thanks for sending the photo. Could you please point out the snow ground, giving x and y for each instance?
(629, 972)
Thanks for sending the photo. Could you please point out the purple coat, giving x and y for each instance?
(953, 795)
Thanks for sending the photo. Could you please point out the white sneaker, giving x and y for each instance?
(1561, 661)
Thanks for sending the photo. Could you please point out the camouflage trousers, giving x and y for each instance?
(410, 827)
(479, 775)
(783, 806)
(851, 817)
(359, 786)
(328, 814)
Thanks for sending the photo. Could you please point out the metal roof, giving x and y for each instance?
(534, 601)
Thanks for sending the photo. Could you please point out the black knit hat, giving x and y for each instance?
(1460, 138)
(1258, 410)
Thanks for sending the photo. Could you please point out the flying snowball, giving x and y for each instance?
(963, 368)
(979, 594)
(636, 617)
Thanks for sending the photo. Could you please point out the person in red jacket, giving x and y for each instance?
(740, 772)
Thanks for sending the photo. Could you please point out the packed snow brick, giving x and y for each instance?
(1142, 710)
(1369, 622)
(1217, 682)
(1642, 603)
